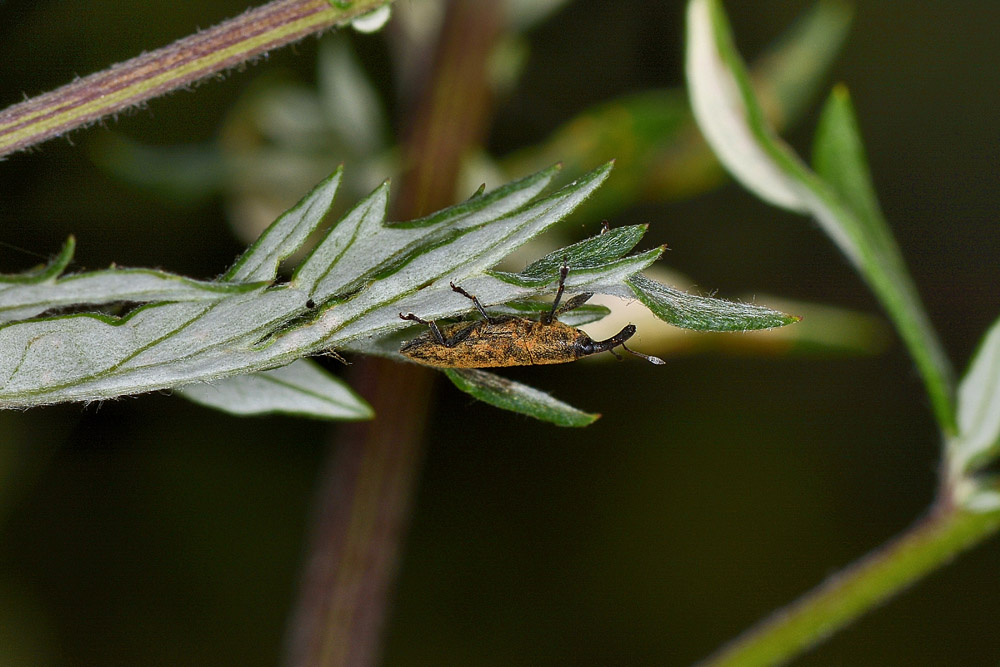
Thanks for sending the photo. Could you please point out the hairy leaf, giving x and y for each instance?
(516, 397)
(301, 388)
(700, 313)
(233, 343)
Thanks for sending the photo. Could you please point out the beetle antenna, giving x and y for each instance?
(648, 357)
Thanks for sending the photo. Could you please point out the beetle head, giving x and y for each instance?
(585, 346)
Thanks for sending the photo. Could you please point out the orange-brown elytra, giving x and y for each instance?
(510, 341)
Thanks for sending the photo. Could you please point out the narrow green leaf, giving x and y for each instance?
(400, 273)
(595, 251)
(700, 313)
(302, 388)
(587, 272)
(285, 235)
(839, 158)
(348, 295)
(110, 286)
(516, 397)
(506, 198)
(728, 113)
(47, 273)
(841, 198)
(365, 220)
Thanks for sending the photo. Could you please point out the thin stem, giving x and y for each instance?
(859, 588)
(362, 511)
(180, 64)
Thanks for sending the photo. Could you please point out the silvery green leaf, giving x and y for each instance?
(30, 293)
(46, 273)
(110, 286)
(346, 294)
(301, 388)
(727, 113)
(409, 267)
(978, 441)
(516, 397)
(838, 194)
(234, 343)
(597, 251)
(285, 235)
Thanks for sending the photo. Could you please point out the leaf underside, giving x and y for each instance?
(509, 395)
(223, 340)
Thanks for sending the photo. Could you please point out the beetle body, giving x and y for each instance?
(499, 342)
(495, 342)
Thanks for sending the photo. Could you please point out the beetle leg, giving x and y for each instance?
(330, 352)
(431, 323)
(549, 316)
(475, 301)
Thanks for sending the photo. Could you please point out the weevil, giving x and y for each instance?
(507, 340)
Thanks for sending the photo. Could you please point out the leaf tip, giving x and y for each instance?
(840, 92)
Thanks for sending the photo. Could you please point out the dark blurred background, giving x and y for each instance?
(152, 531)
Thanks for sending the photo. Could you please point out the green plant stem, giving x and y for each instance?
(847, 595)
(180, 64)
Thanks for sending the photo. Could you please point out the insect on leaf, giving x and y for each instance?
(234, 343)
(345, 295)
